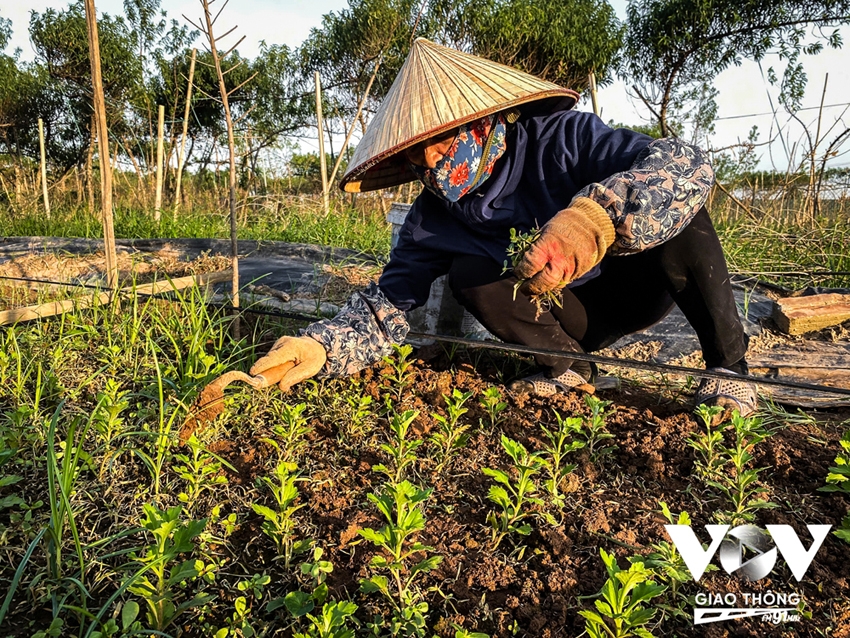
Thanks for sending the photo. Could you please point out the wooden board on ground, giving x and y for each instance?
(817, 362)
(797, 315)
(53, 308)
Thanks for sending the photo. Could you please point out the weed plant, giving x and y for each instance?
(708, 445)
(519, 244)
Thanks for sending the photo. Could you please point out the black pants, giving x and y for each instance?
(632, 293)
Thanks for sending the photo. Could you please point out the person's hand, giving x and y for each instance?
(306, 353)
(570, 244)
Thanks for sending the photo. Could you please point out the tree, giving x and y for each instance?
(675, 48)
(558, 41)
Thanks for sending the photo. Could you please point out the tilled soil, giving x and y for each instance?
(534, 586)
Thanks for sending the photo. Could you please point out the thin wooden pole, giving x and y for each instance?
(43, 167)
(160, 133)
(182, 158)
(103, 147)
(351, 128)
(231, 143)
(592, 81)
(322, 160)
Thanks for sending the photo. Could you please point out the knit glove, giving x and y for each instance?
(307, 353)
(570, 244)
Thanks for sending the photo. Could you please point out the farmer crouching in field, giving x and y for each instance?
(625, 234)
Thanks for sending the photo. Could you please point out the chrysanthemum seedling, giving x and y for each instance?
(201, 471)
(560, 443)
(619, 604)
(708, 444)
(401, 376)
(668, 564)
(519, 244)
(838, 479)
(401, 450)
(740, 484)
(514, 498)
(279, 525)
(161, 581)
(491, 401)
(402, 508)
(451, 437)
(291, 432)
(595, 432)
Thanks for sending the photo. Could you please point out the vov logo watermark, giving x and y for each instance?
(750, 552)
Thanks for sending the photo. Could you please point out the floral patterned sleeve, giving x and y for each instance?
(657, 197)
(362, 332)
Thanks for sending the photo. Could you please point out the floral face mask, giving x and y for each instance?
(469, 160)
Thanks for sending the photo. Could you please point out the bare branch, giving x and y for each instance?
(219, 13)
(231, 49)
(236, 88)
(224, 35)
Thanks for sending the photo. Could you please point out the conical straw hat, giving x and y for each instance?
(436, 90)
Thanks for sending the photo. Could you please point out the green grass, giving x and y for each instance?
(344, 227)
(779, 246)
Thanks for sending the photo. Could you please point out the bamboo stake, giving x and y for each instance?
(322, 160)
(351, 128)
(592, 80)
(103, 146)
(231, 143)
(43, 167)
(182, 158)
(160, 132)
(53, 308)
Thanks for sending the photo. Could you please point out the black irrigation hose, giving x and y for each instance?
(505, 347)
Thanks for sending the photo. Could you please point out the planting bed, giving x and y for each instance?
(92, 406)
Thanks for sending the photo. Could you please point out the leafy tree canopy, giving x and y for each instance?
(675, 48)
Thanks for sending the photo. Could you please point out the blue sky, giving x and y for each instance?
(743, 91)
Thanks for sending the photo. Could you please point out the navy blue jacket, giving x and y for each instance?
(549, 158)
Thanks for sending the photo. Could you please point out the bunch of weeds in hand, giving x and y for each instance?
(451, 437)
(239, 625)
(400, 449)
(402, 507)
(200, 469)
(740, 484)
(619, 604)
(279, 524)
(668, 564)
(560, 443)
(709, 444)
(595, 432)
(162, 579)
(491, 401)
(514, 497)
(519, 245)
(400, 375)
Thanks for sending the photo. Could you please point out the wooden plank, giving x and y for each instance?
(796, 315)
(53, 308)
